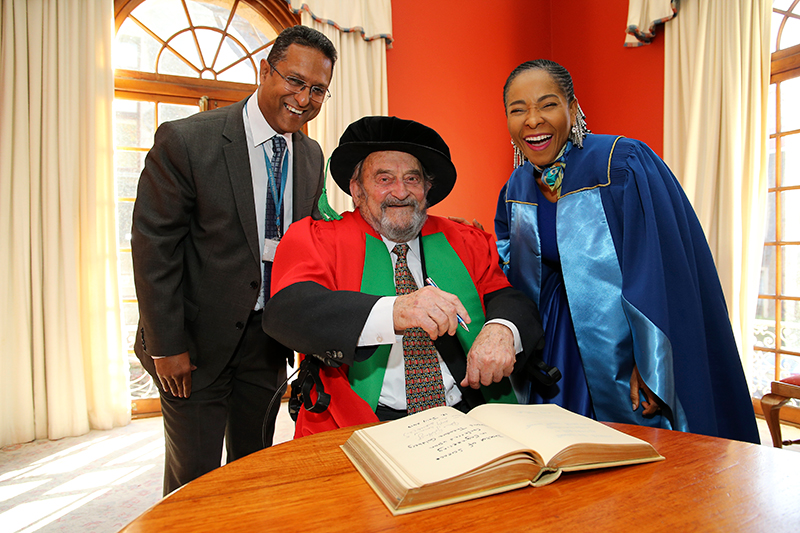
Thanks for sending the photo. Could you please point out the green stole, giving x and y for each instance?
(443, 265)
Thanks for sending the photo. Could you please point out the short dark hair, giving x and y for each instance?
(559, 74)
(303, 36)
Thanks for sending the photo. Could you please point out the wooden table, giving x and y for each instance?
(309, 485)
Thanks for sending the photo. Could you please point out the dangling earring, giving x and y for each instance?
(519, 159)
(579, 128)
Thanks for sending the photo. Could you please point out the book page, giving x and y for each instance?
(548, 428)
(439, 443)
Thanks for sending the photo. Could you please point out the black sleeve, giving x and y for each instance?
(314, 320)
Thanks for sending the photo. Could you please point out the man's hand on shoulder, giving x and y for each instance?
(491, 357)
(431, 309)
(175, 374)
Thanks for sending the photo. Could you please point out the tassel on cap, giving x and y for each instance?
(325, 209)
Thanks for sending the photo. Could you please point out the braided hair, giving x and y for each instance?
(559, 74)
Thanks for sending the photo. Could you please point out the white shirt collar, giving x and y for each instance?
(413, 247)
(259, 126)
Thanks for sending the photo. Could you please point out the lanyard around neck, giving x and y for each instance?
(276, 199)
(271, 182)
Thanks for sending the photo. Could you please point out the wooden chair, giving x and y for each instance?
(782, 391)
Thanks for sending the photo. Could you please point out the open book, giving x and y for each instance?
(442, 456)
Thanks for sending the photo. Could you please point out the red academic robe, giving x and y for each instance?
(332, 255)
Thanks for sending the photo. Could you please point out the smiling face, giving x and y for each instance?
(391, 194)
(538, 115)
(285, 111)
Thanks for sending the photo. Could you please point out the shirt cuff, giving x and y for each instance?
(379, 327)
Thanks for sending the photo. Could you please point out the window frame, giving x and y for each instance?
(206, 94)
(784, 65)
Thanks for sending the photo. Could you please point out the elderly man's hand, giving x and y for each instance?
(491, 357)
(431, 309)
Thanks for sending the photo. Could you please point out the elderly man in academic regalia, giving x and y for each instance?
(396, 310)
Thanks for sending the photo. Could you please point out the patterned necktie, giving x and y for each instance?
(424, 386)
(274, 221)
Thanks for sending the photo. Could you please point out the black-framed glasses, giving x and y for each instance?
(296, 85)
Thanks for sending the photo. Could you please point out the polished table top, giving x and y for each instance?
(705, 484)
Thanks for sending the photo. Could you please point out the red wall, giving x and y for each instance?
(451, 58)
(620, 89)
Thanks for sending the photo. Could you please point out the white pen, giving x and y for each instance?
(430, 282)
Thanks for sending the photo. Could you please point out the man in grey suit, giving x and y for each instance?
(217, 192)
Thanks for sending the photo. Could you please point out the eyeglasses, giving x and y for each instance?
(296, 85)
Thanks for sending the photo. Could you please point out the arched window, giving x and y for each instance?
(174, 58)
(777, 333)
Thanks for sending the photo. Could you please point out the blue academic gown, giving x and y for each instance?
(638, 284)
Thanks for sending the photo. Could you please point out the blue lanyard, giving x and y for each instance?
(277, 200)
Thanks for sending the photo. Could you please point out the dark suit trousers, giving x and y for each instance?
(233, 406)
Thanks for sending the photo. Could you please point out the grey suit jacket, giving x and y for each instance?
(194, 240)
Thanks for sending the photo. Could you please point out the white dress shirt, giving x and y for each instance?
(259, 132)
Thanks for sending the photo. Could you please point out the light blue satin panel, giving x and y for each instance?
(523, 228)
(656, 369)
(504, 250)
(593, 280)
(525, 272)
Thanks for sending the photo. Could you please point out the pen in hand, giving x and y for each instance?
(463, 324)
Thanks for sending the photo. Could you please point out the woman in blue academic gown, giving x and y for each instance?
(598, 232)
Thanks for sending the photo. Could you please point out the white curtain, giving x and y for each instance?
(62, 370)
(360, 30)
(715, 136)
